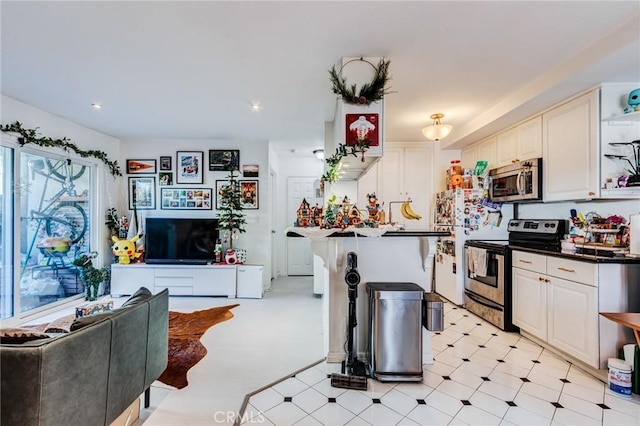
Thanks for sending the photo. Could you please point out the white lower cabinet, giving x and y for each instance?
(188, 280)
(573, 319)
(249, 283)
(557, 311)
(529, 303)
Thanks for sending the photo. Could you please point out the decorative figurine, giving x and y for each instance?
(633, 101)
(303, 214)
(125, 249)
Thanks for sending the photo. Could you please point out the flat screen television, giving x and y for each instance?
(180, 241)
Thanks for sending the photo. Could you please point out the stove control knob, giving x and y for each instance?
(546, 225)
(553, 225)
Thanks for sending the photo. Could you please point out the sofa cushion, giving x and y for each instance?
(138, 297)
(20, 335)
(82, 322)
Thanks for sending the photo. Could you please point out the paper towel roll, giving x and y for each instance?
(634, 234)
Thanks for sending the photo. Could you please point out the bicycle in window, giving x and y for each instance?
(60, 217)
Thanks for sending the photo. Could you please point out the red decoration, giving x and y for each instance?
(360, 127)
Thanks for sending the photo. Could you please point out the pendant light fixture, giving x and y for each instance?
(319, 154)
(437, 130)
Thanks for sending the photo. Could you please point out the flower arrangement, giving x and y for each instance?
(90, 275)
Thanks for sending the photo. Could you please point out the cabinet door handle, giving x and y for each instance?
(591, 193)
(540, 279)
(547, 281)
(524, 261)
(566, 270)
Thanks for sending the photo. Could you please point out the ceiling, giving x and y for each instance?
(191, 70)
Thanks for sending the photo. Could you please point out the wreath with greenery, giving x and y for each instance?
(332, 175)
(31, 136)
(369, 92)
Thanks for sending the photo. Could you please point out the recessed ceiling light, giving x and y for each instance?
(255, 106)
(96, 105)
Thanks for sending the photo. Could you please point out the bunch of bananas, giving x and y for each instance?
(407, 211)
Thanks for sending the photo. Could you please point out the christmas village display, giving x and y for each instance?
(340, 215)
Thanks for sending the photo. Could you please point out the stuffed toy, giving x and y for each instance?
(634, 101)
(125, 249)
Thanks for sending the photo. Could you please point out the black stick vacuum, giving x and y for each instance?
(354, 372)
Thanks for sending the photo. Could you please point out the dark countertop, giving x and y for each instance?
(581, 257)
(405, 233)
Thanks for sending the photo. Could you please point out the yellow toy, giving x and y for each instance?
(125, 249)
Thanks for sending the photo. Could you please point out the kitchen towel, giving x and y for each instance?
(479, 261)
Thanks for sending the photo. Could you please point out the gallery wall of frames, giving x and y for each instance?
(176, 181)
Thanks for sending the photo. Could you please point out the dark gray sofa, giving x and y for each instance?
(88, 376)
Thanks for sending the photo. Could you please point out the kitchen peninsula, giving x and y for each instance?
(385, 254)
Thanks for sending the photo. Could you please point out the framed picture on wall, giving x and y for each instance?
(185, 198)
(165, 162)
(250, 170)
(166, 178)
(249, 192)
(221, 160)
(142, 193)
(219, 185)
(141, 167)
(189, 167)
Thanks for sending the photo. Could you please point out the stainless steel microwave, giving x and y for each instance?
(517, 182)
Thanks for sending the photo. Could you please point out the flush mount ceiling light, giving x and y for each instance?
(437, 130)
(319, 154)
(96, 105)
(255, 106)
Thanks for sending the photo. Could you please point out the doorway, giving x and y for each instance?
(299, 254)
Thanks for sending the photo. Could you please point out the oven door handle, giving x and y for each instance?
(484, 302)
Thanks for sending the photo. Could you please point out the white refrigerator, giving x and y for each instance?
(467, 214)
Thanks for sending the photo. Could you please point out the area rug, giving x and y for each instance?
(185, 349)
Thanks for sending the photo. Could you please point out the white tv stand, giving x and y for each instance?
(189, 280)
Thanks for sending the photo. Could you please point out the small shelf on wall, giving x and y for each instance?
(624, 119)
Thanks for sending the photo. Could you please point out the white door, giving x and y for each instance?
(273, 178)
(299, 255)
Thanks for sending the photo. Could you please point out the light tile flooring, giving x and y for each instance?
(481, 376)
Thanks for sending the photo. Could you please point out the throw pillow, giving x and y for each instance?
(20, 335)
(60, 325)
(138, 297)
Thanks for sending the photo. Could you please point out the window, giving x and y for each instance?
(6, 232)
(54, 227)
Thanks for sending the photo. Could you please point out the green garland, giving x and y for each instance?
(369, 92)
(31, 136)
(332, 175)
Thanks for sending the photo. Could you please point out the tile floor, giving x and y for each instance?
(481, 376)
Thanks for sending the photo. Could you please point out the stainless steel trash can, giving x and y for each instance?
(395, 331)
(434, 312)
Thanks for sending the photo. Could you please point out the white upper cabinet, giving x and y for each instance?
(570, 150)
(530, 139)
(406, 171)
(469, 156)
(522, 142)
(487, 151)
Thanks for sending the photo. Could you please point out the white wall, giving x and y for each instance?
(56, 127)
(290, 166)
(561, 210)
(258, 236)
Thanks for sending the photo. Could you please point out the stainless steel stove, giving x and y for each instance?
(488, 266)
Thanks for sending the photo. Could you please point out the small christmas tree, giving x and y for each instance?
(231, 218)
